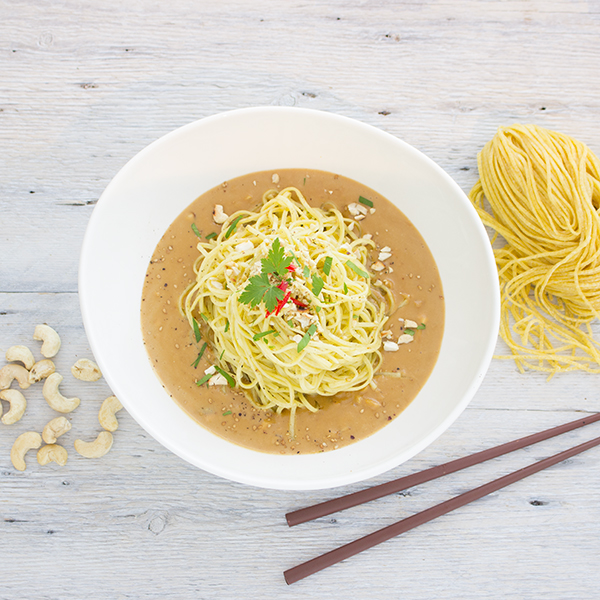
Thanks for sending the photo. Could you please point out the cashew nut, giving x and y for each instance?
(41, 370)
(54, 398)
(55, 429)
(219, 217)
(17, 406)
(99, 447)
(106, 416)
(51, 339)
(86, 370)
(13, 371)
(22, 354)
(52, 452)
(26, 441)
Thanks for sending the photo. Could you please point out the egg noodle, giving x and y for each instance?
(543, 188)
(321, 340)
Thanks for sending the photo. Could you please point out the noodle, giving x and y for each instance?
(544, 191)
(260, 349)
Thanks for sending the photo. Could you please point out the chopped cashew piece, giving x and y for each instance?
(86, 370)
(55, 428)
(275, 178)
(18, 404)
(13, 371)
(41, 370)
(410, 324)
(384, 255)
(22, 354)
(244, 247)
(297, 338)
(109, 407)
(378, 266)
(405, 338)
(217, 379)
(219, 217)
(52, 453)
(51, 339)
(54, 398)
(390, 346)
(29, 440)
(99, 447)
(359, 217)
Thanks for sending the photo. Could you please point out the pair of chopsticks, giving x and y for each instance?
(326, 508)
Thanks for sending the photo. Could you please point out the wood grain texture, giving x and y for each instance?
(83, 87)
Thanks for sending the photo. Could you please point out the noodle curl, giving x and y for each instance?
(543, 188)
(348, 314)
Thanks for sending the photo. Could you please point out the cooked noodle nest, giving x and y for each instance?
(348, 314)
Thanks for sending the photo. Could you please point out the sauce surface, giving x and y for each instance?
(410, 272)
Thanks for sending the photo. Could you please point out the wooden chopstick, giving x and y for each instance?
(403, 483)
(330, 558)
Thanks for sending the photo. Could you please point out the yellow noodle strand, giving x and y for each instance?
(543, 189)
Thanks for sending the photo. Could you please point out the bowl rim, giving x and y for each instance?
(234, 473)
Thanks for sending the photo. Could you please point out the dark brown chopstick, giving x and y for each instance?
(378, 491)
(330, 558)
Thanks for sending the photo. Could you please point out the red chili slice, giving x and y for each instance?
(298, 303)
(282, 303)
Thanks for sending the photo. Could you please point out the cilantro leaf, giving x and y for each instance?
(233, 226)
(262, 334)
(256, 289)
(230, 379)
(276, 261)
(306, 272)
(272, 297)
(327, 265)
(317, 284)
(421, 326)
(195, 230)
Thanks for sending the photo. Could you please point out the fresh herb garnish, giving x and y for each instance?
(409, 331)
(230, 379)
(306, 272)
(195, 363)
(421, 326)
(327, 265)
(345, 289)
(196, 327)
(195, 230)
(262, 334)
(227, 412)
(304, 341)
(304, 181)
(290, 323)
(211, 235)
(222, 352)
(357, 269)
(204, 317)
(276, 261)
(260, 288)
(233, 226)
(227, 327)
(317, 309)
(365, 201)
(271, 284)
(205, 378)
(317, 284)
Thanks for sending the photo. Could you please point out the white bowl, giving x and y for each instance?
(157, 184)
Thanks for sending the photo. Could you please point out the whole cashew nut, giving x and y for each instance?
(106, 416)
(13, 371)
(41, 370)
(52, 453)
(55, 428)
(51, 339)
(22, 354)
(54, 398)
(26, 441)
(86, 370)
(18, 404)
(99, 447)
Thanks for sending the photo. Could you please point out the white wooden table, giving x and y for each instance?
(83, 87)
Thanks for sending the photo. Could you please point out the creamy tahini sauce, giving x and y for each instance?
(347, 417)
